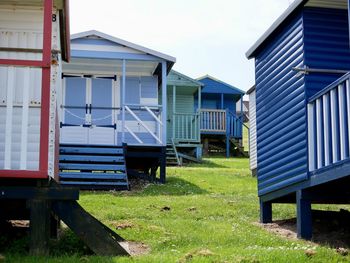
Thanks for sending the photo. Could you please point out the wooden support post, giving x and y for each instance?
(206, 146)
(304, 217)
(162, 168)
(39, 227)
(265, 212)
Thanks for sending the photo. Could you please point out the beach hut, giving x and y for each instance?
(221, 127)
(183, 130)
(303, 109)
(252, 130)
(112, 121)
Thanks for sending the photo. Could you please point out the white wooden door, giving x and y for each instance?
(87, 116)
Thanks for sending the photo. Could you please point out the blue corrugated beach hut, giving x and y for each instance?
(303, 109)
(219, 121)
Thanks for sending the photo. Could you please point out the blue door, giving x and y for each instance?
(88, 111)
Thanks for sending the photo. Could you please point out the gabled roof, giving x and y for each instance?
(292, 9)
(177, 78)
(124, 43)
(213, 85)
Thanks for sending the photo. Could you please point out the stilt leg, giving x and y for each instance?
(227, 147)
(304, 217)
(39, 227)
(265, 212)
(162, 170)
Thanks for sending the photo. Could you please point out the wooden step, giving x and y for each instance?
(93, 167)
(99, 176)
(92, 150)
(91, 158)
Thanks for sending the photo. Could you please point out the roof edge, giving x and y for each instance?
(188, 78)
(220, 81)
(123, 42)
(287, 13)
(250, 90)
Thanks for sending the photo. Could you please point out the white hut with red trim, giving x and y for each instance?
(34, 39)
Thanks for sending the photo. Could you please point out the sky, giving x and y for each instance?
(206, 36)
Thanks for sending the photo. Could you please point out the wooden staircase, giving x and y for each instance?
(93, 167)
(172, 157)
(238, 147)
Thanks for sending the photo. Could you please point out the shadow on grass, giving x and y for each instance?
(174, 186)
(330, 228)
(208, 164)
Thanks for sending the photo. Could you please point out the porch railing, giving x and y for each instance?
(328, 114)
(186, 127)
(213, 120)
(151, 125)
(221, 121)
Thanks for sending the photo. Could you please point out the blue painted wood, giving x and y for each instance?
(95, 167)
(94, 183)
(265, 212)
(100, 176)
(280, 102)
(92, 158)
(89, 150)
(112, 55)
(304, 216)
(326, 44)
(218, 87)
(75, 96)
(101, 96)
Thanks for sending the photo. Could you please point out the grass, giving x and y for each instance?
(212, 216)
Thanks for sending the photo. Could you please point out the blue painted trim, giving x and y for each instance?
(323, 175)
(304, 218)
(112, 55)
(213, 133)
(329, 87)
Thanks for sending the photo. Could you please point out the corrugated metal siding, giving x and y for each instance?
(281, 114)
(252, 130)
(326, 38)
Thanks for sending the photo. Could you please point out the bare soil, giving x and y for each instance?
(330, 228)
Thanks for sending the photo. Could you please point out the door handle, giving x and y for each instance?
(86, 108)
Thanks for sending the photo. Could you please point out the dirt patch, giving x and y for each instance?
(330, 228)
(123, 225)
(135, 248)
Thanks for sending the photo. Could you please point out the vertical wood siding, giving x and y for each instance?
(281, 110)
(252, 130)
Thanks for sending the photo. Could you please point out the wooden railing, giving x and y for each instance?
(186, 127)
(221, 121)
(328, 114)
(213, 120)
(234, 125)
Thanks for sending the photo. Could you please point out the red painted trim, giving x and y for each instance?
(24, 63)
(45, 90)
(22, 174)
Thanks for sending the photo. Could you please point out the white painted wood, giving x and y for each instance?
(327, 132)
(9, 115)
(101, 135)
(319, 138)
(342, 121)
(24, 128)
(143, 124)
(123, 99)
(164, 103)
(154, 116)
(334, 125)
(78, 135)
(311, 141)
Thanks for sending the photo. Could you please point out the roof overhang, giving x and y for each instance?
(291, 10)
(169, 59)
(252, 89)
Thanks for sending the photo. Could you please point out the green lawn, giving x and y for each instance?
(212, 216)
